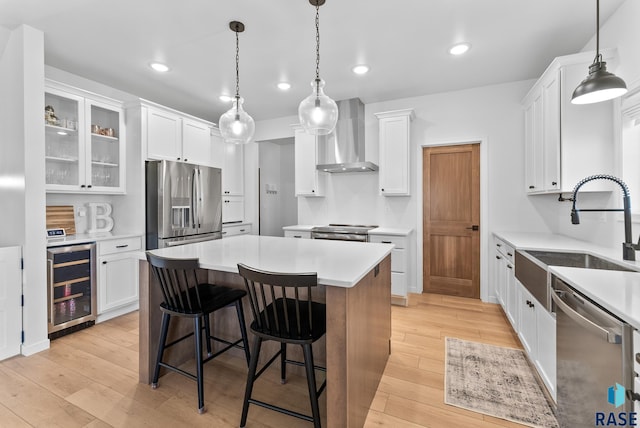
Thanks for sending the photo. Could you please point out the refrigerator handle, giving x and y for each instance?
(200, 197)
(194, 193)
(50, 291)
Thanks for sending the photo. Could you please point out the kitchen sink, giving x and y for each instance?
(535, 277)
(580, 260)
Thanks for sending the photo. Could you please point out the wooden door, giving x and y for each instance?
(451, 220)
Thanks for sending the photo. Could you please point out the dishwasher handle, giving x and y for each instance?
(605, 334)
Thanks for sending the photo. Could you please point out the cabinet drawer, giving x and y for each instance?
(505, 249)
(241, 229)
(119, 245)
(398, 241)
(297, 234)
(398, 260)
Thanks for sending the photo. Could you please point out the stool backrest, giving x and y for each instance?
(292, 315)
(178, 281)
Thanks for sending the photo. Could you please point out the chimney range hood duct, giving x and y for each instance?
(344, 147)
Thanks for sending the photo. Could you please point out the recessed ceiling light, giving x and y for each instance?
(284, 86)
(459, 49)
(225, 98)
(360, 69)
(157, 66)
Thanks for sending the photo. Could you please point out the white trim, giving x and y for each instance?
(34, 348)
(485, 294)
(113, 313)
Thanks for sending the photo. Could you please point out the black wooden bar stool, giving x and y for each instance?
(185, 297)
(282, 315)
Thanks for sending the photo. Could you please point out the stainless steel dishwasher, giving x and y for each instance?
(594, 352)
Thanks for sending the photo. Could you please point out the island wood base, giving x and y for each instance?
(355, 349)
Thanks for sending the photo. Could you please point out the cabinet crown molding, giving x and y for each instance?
(396, 113)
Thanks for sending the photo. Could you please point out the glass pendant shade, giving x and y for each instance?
(318, 114)
(600, 85)
(236, 126)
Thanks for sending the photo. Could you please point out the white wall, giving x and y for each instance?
(492, 114)
(277, 169)
(621, 31)
(22, 173)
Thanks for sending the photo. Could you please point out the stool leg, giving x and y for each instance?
(207, 331)
(199, 368)
(283, 363)
(255, 353)
(243, 331)
(163, 339)
(311, 382)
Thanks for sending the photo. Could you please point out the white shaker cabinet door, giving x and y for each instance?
(10, 309)
(233, 170)
(118, 281)
(196, 143)
(394, 138)
(164, 140)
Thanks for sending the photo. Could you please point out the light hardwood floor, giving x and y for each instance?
(90, 379)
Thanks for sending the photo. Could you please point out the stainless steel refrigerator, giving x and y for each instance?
(183, 203)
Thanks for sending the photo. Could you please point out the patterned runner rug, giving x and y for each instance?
(495, 381)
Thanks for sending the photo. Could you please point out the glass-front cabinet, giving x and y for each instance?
(84, 141)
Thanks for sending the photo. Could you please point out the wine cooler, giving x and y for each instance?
(71, 281)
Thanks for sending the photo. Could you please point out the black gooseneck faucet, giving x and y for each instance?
(628, 247)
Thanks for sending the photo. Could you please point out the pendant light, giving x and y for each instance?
(236, 126)
(600, 85)
(318, 113)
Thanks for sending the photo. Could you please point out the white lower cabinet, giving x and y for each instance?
(10, 309)
(400, 266)
(235, 229)
(537, 332)
(232, 209)
(117, 277)
(300, 234)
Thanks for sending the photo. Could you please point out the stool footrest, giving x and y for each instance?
(281, 410)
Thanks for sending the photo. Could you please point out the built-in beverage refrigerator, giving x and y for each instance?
(71, 278)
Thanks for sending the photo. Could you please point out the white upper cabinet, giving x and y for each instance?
(163, 135)
(309, 181)
(395, 144)
(565, 142)
(171, 135)
(84, 141)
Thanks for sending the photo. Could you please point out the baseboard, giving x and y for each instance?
(34, 348)
(399, 300)
(117, 312)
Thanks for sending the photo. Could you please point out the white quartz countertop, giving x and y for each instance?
(338, 263)
(616, 291)
(390, 231)
(300, 227)
(83, 238)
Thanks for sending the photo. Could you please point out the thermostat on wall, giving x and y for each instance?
(56, 233)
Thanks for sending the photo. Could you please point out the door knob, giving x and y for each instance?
(474, 227)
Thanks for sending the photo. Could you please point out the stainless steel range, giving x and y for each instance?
(342, 232)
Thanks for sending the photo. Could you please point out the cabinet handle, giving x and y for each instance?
(386, 242)
(88, 186)
(242, 230)
(509, 254)
(297, 236)
(82, 186)
(313, 191)
(178, 158)
(554, 183)
(122, 246)
(382, 190)
(498, 245)
(104, 262)
(498, 257)
(532, 187)
(509, 267)
(224, 233)
(528, 302)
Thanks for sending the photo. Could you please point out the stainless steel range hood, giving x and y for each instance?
(345, 147)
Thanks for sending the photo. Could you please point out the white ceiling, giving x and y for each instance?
(404, 42)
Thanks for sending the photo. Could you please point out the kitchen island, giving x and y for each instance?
(354, 281)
